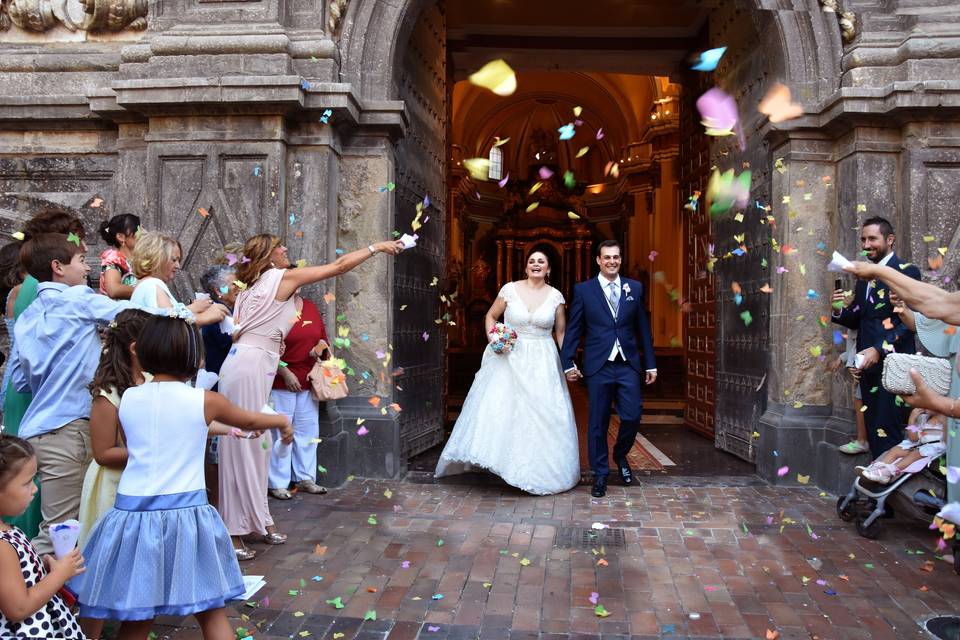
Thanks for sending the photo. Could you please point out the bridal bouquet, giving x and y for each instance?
(505, 336)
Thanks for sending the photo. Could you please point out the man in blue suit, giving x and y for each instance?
(879, 331)
(608, 313)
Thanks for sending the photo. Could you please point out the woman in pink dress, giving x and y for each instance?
(265, 312)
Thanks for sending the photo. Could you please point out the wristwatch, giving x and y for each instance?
(372, 250)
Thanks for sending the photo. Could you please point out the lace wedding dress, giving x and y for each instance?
(517, 420)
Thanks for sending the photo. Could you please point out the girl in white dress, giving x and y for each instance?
(162, 550)
(517, 420)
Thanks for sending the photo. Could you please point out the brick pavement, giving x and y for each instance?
(731, 558)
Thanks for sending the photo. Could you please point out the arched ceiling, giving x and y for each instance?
(544, 101)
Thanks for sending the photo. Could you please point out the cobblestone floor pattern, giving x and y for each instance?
(698, 558)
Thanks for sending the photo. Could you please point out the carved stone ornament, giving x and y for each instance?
(847, 19)
(75, 15)
(336, 9)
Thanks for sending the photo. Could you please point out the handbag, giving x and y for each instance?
(936, 373)
(327, 381)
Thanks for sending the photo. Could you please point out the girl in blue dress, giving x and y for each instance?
(162, 550)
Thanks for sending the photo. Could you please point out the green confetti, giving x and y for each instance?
(601, 611)
(372, 519)
(265, 445)
(747, 318)
(336, 602)
(440, 542)
(869, 565)
(370, 615)
(303, 583)
(569, 180)
(321, 468)
(281, 364)
(293, 592)
(74, 238)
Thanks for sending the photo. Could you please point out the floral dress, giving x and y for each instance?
(113, 258)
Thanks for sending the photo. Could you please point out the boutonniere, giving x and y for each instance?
(626, 288)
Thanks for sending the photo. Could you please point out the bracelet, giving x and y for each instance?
(371, 249)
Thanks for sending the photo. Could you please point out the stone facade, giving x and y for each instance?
(219, 105)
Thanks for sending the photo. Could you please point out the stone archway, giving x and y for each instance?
(768, 43)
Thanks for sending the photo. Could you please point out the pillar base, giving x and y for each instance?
(375, 454)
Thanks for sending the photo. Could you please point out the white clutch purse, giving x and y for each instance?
(934, 371)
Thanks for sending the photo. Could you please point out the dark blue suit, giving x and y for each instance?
(592, 318)
(867, 316)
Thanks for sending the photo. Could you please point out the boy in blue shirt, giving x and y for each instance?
(55, 356)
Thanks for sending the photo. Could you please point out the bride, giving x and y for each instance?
(517, 420)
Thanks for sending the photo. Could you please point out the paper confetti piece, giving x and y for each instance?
(336, 602)
(74, 238)
(18, 235)
(709, 59)
(497, 76)
(782, 471)
(362, 431)
(572, 215)
(778, 105)
(567, 132)
(594, 597)
(601, 611)
(582, 152)
(803, 479)
(370, 615)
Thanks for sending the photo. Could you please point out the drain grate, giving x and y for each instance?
(588, 538)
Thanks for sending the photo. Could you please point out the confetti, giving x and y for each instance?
(601, 611)
(782, 471)
(203, 212)
(709, 59)
(18, 235)
(497, 76)
(336, 602)
(778, 104)
(74, 238)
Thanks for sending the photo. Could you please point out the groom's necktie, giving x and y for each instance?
(614, 297)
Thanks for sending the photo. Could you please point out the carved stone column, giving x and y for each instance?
(798, 388)
(500, 281)
(510, 251)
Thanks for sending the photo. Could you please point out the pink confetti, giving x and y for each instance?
(380, 354)
(782, 270)
(432, 629)
(822, 582)
(769, 519)
(425, 336)
(362, 431)
(709, 587)
(941, 545)
(653, 256)
(231, 259)
(506, 179)
(545, 173)
(405, 564)
(600, 133)
(265, 602)
(594, 597)
(782, 471)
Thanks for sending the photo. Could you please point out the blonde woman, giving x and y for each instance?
(156, 260)
(265, 311)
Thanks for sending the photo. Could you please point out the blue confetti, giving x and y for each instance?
(738, 252)
(304, 85)
(738, 299)
(776, 453)
(667, 628)
(293, 218)
(821, 245)
(364, 337)
(837, 336)
(426, 201)
(325, 118)
(567, 131)
(437, 596)
(340, 252)
(257, 171)
(224, 289)
(812, 295)
(709, 59)
(316, 578)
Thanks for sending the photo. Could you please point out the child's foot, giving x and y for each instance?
(853, 447)
(881, 473)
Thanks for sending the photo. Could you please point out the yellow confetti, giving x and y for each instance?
(577, 111)
(786, 199)
(497, 76)
(942, 250)
(738, 217)
(387, 494)
(478, 168)
(572, 215)
(928, 238)
(861, 208)
(583, 151)
(298, 614)
(242, 286)
(535, 187)
(881, 433)
(525, 562)
(18, 235)
(779, 166)
(803, 479)
(533, 206)
(301, 263)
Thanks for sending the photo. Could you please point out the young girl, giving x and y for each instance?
(925, 439)
(29, 604)
(118, 371)
(116, 275)
(162, 550)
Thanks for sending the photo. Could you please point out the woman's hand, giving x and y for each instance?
(213, 314)
(863, 270)
(290, 380)
(286, 430)
(199, 306)
(925, 397)
(317, 351)
(393, 247)
(71, 565)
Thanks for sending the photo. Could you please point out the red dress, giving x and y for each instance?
(303, 336)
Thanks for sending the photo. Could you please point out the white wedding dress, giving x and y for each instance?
(517, 420)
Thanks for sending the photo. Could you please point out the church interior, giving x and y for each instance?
(617, 177)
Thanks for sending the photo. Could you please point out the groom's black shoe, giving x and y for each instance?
(626, 473)
(599, 487)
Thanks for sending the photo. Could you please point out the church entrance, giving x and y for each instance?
(600, 140)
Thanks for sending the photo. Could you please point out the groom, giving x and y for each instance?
(608, 312)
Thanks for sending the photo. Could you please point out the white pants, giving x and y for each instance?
(297, 461)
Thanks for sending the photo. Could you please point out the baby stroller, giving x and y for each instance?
(865, 503)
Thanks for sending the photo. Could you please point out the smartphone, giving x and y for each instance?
(837, 284)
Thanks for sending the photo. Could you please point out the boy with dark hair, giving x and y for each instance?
(55, 355)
